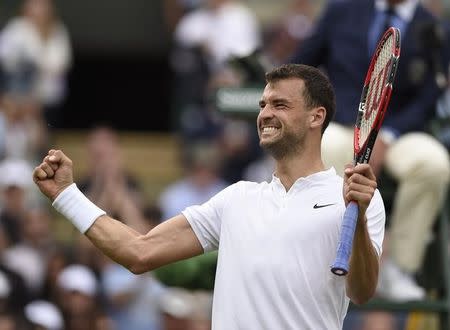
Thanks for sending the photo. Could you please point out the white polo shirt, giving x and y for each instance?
(275, 251)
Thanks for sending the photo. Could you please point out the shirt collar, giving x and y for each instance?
(300, 182)
(405, 10)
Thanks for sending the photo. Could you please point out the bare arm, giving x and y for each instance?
(168, 242)
(361, 282)
(364, 266)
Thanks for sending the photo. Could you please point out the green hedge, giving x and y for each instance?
(196, 273)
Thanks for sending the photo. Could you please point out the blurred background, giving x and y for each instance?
(121, 58)
(155, 102)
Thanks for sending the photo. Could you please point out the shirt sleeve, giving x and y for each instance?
(206, 219)
(376, 220)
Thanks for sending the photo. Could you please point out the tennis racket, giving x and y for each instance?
(375, 97)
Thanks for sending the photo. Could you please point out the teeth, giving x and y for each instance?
(269, 129)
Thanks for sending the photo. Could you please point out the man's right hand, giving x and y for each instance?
(54, 174)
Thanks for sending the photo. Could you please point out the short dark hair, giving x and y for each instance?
(318, 90)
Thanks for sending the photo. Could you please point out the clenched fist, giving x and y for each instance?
(360, 184)
(54, 174)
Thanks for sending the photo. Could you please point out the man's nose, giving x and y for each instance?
(266, 112)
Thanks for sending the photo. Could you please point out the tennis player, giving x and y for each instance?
(276, 240)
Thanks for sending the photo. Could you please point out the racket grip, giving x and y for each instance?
(341, 263)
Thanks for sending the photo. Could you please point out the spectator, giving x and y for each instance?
(208, 40)
(37, 42)
(15, 188)
(222, 28)
(22, 131)
(133, 299)
(344, 51)
(26, 262)
(284, 35)
(58, 260)
(13, 291)
(184, 309)
(36, 231)
(108, 182)
(43, 315)
(205, 39)
(260, 170)
(239, 147)
(201, 180)
(79, 294)
(30, 256)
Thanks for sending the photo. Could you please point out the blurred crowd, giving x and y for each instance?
(53, 280)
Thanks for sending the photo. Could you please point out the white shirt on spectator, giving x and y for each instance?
(230, 30)
(20, 41)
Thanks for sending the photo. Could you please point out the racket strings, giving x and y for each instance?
(375, 88)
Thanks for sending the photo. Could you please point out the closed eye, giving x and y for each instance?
(262, 104)
(280, 106)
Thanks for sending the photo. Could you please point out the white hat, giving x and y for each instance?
(26, 262)
(45, 314)
(177, 302)
(78, 278)
(15, 172)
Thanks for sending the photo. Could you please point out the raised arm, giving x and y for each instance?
(359, 185)
(170, 241)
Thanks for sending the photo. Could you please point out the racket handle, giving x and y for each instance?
(341, 263)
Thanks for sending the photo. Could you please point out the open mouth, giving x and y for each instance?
(269, 130)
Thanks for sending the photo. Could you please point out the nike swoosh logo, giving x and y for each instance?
(317, 206)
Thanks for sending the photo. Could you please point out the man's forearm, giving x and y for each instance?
(170, 241)
(118, 241)
(364, 265)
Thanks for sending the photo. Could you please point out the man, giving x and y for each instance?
(276, 240)
(342, 43)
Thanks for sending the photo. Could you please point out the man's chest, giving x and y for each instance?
(284, 220)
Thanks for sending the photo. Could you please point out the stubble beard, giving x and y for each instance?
(287, 146)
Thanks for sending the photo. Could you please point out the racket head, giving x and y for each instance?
(376, 94)
(375, 97)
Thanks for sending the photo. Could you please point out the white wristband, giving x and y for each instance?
(76, 207)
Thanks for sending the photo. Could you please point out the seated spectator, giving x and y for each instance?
(43, 315)
(15, 188)
(133, 299)
(205, 39)
(58, 259)
(26, 262)
(185, 309)
(22, 131)
(14, 293)
(260, 170)
(37, 42)
(344, 52)
(36, 231)
(201, 181)
(78, 297)
(108, 182)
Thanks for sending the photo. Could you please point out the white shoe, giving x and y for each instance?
(396, 285)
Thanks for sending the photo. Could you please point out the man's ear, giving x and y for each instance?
(318, 117)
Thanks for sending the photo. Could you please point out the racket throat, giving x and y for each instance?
(364, 155)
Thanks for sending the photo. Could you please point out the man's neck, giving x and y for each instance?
(290, 169)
